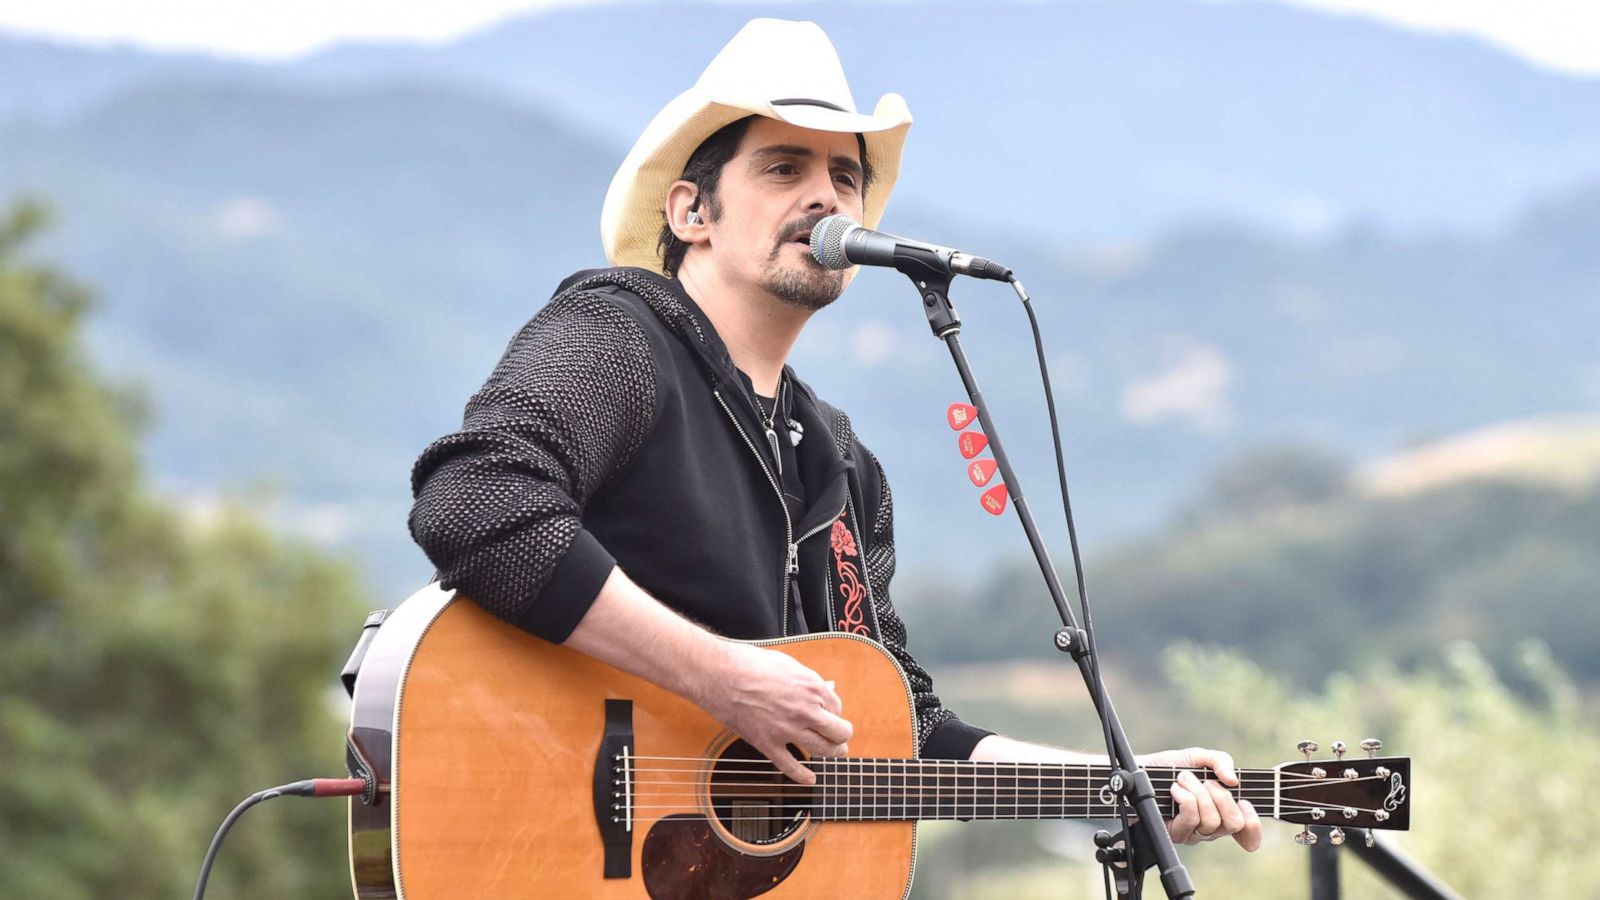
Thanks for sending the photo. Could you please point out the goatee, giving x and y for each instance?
(811, 288)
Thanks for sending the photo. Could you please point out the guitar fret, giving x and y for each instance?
(880, 777)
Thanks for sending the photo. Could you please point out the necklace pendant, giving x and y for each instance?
(772, 441)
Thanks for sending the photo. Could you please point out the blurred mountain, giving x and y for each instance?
(1069, 120)
(1560, 452)
(313, 266)
(51, 80)
(296, 275)
(1309, 567)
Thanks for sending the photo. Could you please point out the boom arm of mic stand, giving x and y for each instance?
(933, 282)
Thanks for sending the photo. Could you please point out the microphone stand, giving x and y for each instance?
(1145, 842)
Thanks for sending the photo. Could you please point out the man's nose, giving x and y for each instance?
(822, 195)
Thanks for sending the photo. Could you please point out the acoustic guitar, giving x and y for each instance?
(507, 767)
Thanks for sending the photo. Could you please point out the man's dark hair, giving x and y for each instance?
(704, 170)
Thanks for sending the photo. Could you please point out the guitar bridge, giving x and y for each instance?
(613, 789)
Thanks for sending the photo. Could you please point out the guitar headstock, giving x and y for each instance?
(1370, 793)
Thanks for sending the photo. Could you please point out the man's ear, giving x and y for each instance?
(686, 215)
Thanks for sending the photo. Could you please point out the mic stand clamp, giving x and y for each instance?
(1151, 844)
(1127, 869)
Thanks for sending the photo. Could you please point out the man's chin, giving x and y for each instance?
(809, 286)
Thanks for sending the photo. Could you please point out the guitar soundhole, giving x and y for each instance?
(753, 800)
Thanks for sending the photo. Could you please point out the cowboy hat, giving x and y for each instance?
(783, 70)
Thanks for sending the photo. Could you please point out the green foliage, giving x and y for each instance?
(1498, 778)
(1498, 774)
(153, 670)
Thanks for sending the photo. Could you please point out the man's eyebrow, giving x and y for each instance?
(765, 153)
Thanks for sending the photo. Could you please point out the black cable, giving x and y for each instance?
(222, 832)
(1077, 557)
(314, 787)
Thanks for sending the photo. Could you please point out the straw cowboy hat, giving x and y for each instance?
(782, 70)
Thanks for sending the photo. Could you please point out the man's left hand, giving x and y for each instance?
(1207, 809)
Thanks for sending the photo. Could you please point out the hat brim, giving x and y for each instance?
(631, 220)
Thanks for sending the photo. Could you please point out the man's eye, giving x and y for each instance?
(847, 178)
(782, 169)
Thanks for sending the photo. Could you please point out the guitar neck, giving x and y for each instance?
(855, 789)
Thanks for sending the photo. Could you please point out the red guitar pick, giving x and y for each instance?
(972, 443)
(994, 499)
(981, 471)
(961, 415)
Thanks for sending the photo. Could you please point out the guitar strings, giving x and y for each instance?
(858, 797)
(866, 781)
(908, 772)
(1106, 812)
(1098, 770)
(720, 772)
(898, 780)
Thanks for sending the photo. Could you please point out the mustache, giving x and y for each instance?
(801, 226)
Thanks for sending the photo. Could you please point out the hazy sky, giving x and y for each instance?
(1560, 34)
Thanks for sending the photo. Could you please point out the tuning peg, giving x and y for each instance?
(994, 499)
(1306, 838)
(1307, 747)
(1319, 813)
(971, 443)
(1349, 812)
(960, 415)
(980, 471)
(1339, 749)
(1372, 746)
(1372, 840)
(1336, 836)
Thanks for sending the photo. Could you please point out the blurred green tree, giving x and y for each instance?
(1497, 773)
(154, 667)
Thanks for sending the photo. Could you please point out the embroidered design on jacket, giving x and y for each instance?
(850, 586)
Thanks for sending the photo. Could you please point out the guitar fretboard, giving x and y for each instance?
(905, 789)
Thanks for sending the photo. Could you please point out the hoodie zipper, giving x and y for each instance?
(827, 580)
(792, 564)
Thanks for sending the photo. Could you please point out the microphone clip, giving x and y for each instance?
(932, 277)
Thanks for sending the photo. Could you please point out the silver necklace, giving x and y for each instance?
(768, 421)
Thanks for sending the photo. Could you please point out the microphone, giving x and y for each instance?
(839, 242)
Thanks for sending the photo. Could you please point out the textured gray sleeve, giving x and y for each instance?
(939, 733)
(497, 503)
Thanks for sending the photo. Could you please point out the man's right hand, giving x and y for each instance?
(773, 701)
(768, 698)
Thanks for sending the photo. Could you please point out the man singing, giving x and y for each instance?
(645, 480)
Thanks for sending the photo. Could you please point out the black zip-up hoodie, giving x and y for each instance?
(615, 430)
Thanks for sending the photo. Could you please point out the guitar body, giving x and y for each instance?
(488, 740)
